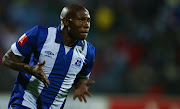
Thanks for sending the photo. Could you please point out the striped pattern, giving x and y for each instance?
(61, 69)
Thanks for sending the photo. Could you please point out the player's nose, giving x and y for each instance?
(86, 24)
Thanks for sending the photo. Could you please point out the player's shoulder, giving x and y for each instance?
(36, 29)
(90, 48)
(40, 27)
(89, 45)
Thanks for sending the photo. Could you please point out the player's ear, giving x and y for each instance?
(65, 21)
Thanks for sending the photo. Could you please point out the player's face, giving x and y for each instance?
(79, 25)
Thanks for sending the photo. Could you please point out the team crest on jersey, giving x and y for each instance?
(78, 63)
(22, 40)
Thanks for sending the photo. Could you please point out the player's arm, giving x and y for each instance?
(82, 80)
(15, 62)
(81, 85)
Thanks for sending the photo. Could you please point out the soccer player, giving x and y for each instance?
(51, 60)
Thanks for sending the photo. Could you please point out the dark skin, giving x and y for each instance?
(15, 62)
(75, 25)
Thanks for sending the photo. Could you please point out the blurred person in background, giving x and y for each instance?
(51, 60)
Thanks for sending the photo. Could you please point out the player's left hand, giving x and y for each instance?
(82, 90)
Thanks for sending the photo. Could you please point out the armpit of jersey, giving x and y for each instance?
(15, 50)
(83, 77)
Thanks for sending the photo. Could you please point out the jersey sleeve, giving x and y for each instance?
(27, 43)
(88, 64)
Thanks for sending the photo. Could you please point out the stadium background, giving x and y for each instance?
(137, 49)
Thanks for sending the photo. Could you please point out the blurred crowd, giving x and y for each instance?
(137, 41)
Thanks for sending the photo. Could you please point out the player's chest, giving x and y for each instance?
(57, 54)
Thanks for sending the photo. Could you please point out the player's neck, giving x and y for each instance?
(67, 40)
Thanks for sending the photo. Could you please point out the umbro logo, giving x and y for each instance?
(49, 53)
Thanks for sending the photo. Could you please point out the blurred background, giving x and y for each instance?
(137, 49)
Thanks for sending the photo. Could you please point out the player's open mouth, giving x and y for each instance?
(85, 31)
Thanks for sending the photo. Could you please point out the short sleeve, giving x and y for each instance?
(89, 61)
(15, 50)
(27, 43)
